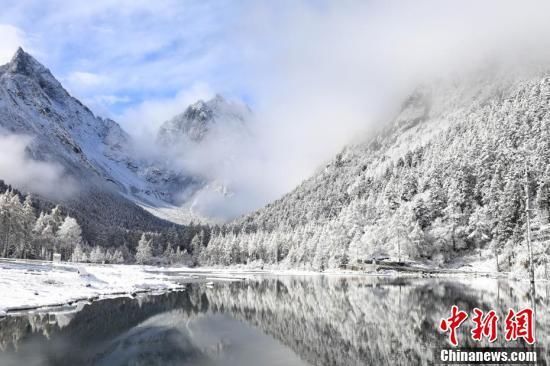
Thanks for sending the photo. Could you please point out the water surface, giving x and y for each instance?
(267, 320)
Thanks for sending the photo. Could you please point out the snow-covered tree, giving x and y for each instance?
(196, 247)
(144, 253)
(28, 218)
(117, 257)
(79, 255)
(68, 236)
(97, 255)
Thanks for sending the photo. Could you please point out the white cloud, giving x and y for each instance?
(320, 73)
(24, 173)
(82, 79)
(10, 39)
(323, 74)
(140, 49)
(144, 120)
(337, 69)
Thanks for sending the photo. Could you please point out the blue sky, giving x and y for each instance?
(116, 55)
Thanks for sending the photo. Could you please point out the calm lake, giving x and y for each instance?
(269, 320)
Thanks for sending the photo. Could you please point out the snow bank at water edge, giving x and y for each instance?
(33, 284)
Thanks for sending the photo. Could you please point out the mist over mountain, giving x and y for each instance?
(446, 182)
(203, 119)
(209, 140)
(55, 147)
(219, 140)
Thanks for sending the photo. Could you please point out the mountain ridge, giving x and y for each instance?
(96, 153)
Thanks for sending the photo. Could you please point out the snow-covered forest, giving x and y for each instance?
(28, 235)
(27, 232)
(450, 176)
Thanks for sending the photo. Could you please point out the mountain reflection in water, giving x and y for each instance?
(313, 320)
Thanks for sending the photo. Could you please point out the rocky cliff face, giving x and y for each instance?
(114, 183)
(34, 103)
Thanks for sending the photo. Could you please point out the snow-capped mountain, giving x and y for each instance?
(203, 119)
(33, 102)
(97, 153)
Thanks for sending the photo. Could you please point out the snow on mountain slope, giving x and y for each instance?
(430, 119)
(445, 179)
(33, 102)
(204, 119)
(96, 152)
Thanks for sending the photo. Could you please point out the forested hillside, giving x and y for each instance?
(446, 178)
(35, 228)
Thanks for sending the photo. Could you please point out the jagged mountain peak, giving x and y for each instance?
(217, 106)
(93, 151)
(24, 67)
(23, 63)
(203, 104)
(218, 99)
(198, 119)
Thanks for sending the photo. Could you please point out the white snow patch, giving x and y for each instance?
(33, 284)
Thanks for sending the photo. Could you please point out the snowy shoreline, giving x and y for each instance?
(28, 285)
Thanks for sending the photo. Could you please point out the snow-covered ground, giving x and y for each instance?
(32, 284)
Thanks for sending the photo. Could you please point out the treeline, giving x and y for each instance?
(26, 235)
(31, 228)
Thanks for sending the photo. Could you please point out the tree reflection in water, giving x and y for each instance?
(317, 320)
